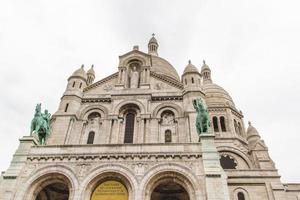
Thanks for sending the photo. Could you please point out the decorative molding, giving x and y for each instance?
(95, 100)
(96, 84)
(103, 157)
(167, 98)
(167, 79)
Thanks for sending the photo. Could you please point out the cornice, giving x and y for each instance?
(101, 82)
(168, 80)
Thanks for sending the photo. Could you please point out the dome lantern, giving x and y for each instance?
(153, 46)
(206, 73)
(90, 75)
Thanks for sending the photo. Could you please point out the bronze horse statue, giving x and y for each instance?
(40, 124)
(202, 120)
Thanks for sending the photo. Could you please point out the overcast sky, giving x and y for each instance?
(252, 48)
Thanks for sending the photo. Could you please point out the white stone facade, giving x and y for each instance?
(137, 126)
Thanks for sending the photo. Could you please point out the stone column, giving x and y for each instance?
(215, 177)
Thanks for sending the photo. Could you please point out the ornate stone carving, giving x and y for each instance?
(168, 118)
(108, 87)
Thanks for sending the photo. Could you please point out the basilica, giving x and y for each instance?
(133, 136)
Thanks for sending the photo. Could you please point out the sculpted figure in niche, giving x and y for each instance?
(134, 79)
(168, 118)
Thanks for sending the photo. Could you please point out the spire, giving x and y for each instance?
(206, 73)
(90, 75)
(153, 46)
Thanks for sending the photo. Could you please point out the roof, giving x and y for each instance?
(216, 95)
(80, 73)
(190, 68)
(163, 67)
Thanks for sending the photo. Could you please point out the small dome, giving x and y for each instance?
(91, 71)
(204, 66)
(252, 135)
(251, 131)
(190, 68)
(80, 73)
(216, 95)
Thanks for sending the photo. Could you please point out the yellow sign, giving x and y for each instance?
(110, 190)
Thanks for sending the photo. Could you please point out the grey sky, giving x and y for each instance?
(252, 48)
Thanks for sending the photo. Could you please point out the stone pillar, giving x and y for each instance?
(10, 178)
(215, 177)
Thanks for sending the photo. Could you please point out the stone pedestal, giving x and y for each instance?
(20, 157)
(215, 177)
(8, 180)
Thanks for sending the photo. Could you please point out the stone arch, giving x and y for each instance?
(117, 108)
(45, 176)
(242, 190)
(109, 172)
(176, 109)
(84, 113)
(181, 174)
(236, 154)
(138, 57)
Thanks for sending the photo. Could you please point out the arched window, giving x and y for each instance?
(80, 85)
(240, 128)
(227, 162)
(91, 137)
(129, 128)
(235, 126)
(168, 136)
(223, 125)
(93, 115)
(67, 106)
(192, 80)
(240, 196)
(185, 81)
(215, 124)
(73, 84)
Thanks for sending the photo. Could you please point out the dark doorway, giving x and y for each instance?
(54, 191)
(169, 191)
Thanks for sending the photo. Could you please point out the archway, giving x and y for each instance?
(54, 191)
(169, 190)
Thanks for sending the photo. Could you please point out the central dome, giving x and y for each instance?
(163, 67)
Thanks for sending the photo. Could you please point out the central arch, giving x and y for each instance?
(109, 174)
(169, 189)
(172, 177)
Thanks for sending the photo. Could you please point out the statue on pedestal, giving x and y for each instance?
(40, 124)
(202, 120)
(134, 79)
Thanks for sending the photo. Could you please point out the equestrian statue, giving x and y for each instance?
(40, 124)
(202, 120)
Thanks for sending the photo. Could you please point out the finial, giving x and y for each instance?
(92, 66)
(135, 47)
(203, 62)
(82, 66)
(190, 62)
(153, 34)
(249, 123)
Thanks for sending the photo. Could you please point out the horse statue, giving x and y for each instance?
(202, 120)
(40, 124)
